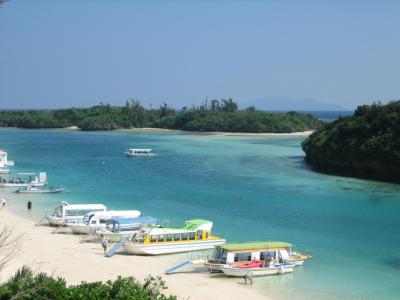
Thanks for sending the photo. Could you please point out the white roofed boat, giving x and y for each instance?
(140, 152)
(24, 180)
(71, 213)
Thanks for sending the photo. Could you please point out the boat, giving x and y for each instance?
(31, 189)
(232, 254)
(140, 152)
(24, 180)
(4, 170)
(120, 229)
(192, 236)
(257, 268)
(71, 213)
(96, 220)
(4, 159)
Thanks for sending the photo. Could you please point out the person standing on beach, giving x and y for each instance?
(104, 243)
(3, 201)
(29, 205)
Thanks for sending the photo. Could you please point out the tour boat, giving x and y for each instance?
(192, 236)
(71, 213)
(96, 220)
(256, 268)
(140, 152)
(238, 253)
(120, 229)
(40, 190)
(4, 159)
(24, 180)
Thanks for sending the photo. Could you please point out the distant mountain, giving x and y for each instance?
(286, 103)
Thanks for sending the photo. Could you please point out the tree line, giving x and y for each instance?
(365, 145)
(223, 115)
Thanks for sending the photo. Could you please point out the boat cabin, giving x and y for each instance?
(129, 224)
(4, 159)
(193, 230)
(101, 217)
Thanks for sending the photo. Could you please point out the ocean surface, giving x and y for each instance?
(253, 188)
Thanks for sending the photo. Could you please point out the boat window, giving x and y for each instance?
(184, 236)
(207, 234)
(267, 255)
(93, 222)
(192, 236)
(176, 236)
(153, 238)
(245, 256)
(103, 221)
(168, 237)
(199, 234)
(160, 238)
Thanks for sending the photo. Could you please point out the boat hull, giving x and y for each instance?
(168, 248)
(241, 272)
(41, 191)
(57, 221)
(7, 184)
(114, 236)
(83, 228)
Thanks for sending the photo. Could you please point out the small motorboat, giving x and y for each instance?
(40, 190)
(140, 152)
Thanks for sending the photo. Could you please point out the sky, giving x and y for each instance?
(80, 53)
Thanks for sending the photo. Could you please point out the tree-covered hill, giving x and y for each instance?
(365, 145)
(217, 115)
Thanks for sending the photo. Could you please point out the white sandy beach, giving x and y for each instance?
(64, 255)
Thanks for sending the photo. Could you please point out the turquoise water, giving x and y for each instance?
(253, 188)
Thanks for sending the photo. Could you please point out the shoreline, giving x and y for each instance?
(151, 129)
(65, 255)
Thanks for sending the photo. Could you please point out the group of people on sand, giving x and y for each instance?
(11, 180)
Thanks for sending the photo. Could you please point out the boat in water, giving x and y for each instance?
(93, 221)
(120, 229)
(192, 236)
(24, 180)
(257, 268)
(31, 189)
(140, 152)
(4, 170)
(233, 254)
(71, 213)
(4, 159)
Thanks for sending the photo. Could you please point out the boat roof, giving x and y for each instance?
(26, 174)
(146, 220)
(83, 206)
(193, 224)
(255, 245)
(2, 151)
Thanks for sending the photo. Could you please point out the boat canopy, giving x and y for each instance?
(83, 206)
(255, 246)
(126, 221)
(194, 224)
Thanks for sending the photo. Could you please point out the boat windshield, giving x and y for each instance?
(220, 254)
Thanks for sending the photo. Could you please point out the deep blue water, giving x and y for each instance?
(253, 188)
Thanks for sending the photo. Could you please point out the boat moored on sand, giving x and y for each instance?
(96, 220)
(232, 254)
(71, 213)
(140, 152)
(257, 268)
(192, 236)
(120, 229)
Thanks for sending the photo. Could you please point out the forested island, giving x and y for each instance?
(365, 145)
(217, 115)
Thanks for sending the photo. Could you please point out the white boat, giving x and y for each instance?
(71, 213)
(24, 180)
(140, 152)
(4, 170)
(4, 159)
(96, 220)
(40, 190)
(192, 236)
(256, 268)
(232, 254)
(120, 229)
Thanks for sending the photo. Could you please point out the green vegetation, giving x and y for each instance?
(365, 145)
(25, 286)
(217, 116)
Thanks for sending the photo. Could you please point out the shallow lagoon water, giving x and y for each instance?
(253, 188)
